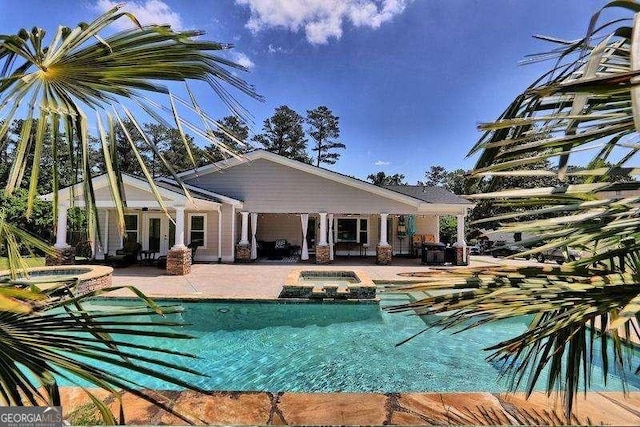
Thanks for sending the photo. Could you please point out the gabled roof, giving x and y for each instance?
(168, 191)
(196, 191)
(408, 198)
(437, 195)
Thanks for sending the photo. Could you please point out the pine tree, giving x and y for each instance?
(324, 130)
(283, 134)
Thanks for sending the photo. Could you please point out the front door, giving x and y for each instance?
(160, 234)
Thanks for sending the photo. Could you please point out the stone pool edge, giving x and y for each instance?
(283, 408)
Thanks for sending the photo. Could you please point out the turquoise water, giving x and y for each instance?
(318, 347)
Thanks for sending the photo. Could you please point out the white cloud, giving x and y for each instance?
(242, 59)
(274, 49)
(147, 12)
(382, 163)
(320, 19)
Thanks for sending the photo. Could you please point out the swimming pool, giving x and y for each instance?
(328, 347)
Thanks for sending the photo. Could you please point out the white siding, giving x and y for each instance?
(265, 186)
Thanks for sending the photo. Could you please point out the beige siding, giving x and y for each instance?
(266, 186)
(228, 240)
(210, 252)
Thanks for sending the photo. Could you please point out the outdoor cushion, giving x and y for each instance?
(281, 244)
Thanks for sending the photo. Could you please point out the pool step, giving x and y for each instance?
(328, 291)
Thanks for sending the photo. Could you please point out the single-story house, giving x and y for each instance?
(235, 204)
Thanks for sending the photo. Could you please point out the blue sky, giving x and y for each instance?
(409, 79)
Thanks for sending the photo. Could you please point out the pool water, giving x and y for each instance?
(325, 347)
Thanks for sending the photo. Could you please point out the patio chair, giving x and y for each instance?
(194, 247)
(127, 255)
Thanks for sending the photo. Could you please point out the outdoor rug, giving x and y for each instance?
(282, 260)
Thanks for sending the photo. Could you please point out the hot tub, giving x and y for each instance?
(329, 284)
(89, 277)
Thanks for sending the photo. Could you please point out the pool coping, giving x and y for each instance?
(285, 408)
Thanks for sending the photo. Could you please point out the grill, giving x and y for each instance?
(433, 253)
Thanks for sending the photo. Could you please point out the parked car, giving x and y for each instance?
(503, 249)
(475, 250)
(558, 255)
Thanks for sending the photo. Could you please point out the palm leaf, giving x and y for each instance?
(584, 107)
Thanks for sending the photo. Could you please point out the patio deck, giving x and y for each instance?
(259, 280)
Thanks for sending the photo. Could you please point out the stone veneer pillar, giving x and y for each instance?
(61, 256)
(322, 254)
(179, 261)
(461, 259)
(243, 252)
(383, 254)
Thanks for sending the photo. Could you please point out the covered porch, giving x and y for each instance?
(152, 232)
(321, 237)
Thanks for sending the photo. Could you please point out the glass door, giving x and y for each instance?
(155, 234)
(160, 234)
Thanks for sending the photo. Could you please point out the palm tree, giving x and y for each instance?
(82, 77)
(586, 107)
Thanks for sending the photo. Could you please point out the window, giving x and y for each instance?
(352, 230)
(347, 230)
(130, 228)
(364, 231)
(198, 229)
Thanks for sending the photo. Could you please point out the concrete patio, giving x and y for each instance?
(261, 280)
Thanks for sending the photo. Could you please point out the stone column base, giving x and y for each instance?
(62, 256)
(179, 262)
(322, 254)
(384, 254)
(243, 253)
(460, 251)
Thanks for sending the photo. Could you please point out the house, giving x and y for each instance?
(235, 204)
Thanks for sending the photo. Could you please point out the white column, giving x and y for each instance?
(383, 229)
(103, 247)
(304, 254)
(254, 228)
(323, 229)
(179, 228)
(461, 243)
(244, 236)
(330, 218)
(61, 232)
(219, 234)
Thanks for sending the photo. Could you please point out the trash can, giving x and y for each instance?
(433, 253)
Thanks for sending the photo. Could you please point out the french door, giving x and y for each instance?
(159, 233)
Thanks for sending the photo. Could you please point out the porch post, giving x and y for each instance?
(63, 254)
(323, 229)
(244, 237)
(322, 248)
(383, 248)
(61, 232)
(331, 254)
(102, 249)
(179, 228)
(304, 254)
(254, 228)
(383, 229)
(219, 234)
(243, 248)
(461, 245)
